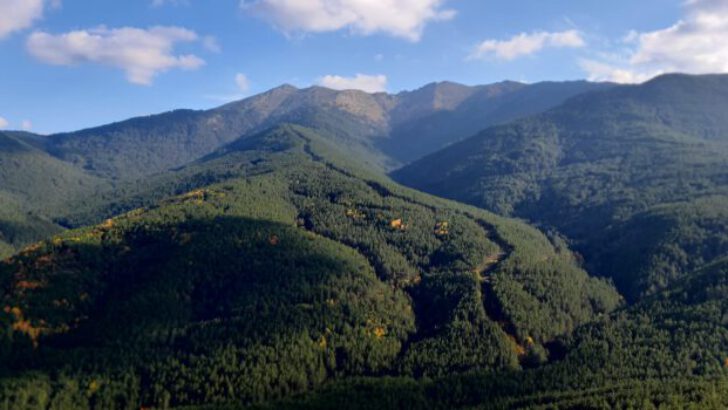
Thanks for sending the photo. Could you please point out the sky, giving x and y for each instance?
(71, 64)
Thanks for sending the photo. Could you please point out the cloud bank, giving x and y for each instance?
(363, 82)
(400, 18)
(141, 53)
(696, 44)
(17, 15)
(526, 44)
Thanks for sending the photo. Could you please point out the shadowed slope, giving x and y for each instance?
(594, 167)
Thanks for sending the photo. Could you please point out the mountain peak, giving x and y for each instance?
(285, 87)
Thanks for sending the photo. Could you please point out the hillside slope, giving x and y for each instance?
(596, 168)
(414, 136)
(381, 129)
(668, 352)
(32, 185)
(147, 145)
(58, 177)
(329, 272)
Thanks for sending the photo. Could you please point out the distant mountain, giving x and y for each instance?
(34, 184)
(233, 258)
(404, 126)
(636, 175)
(450, 112)
(54, 175)
(294, 269)
(34, 178)
(147, 145)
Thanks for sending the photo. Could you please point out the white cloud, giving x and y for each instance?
(3, 123)
(708, 5)
(696, 44)
(525, 44)
(210, 43)
(367, 83)
(600, 71)
(26, 125)
(17, 15)
(142, 54)
(400, 18)
(243, 84)
(241, 80)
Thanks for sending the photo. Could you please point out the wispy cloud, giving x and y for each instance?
(141, 53)
(363, 82)
(401, 18)
(241, 80)
(211, 44)
(601, 71)
(3, 123)
(242, 83)
(526, 44)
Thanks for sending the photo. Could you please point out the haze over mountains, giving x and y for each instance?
(258, 254)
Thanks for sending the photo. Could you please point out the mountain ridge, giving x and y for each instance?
(338, 271)
(370, 118)
(286, 265)
(590, 165)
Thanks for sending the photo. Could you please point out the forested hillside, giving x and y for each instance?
(637, 176)
(234, 258)
(359, 122)
(34, 185)
(285, 205)
(477, 108)
(292, 270)
(46, 180)
(667, 352)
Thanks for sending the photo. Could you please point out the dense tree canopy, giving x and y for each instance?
(200, 259)
(634, 175)
(296, 271)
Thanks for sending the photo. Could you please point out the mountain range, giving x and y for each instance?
(376, 128)
(295, 250)
(143, 146)
(637, 176)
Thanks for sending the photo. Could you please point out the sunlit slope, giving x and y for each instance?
(295, 271)
(380, 129)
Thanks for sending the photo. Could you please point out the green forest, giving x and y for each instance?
(634, 176)
(258, 255)
(327, 273)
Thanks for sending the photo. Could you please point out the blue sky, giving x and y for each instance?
(69, 64)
